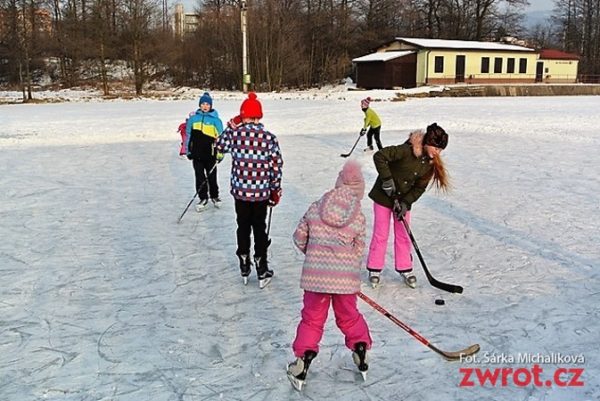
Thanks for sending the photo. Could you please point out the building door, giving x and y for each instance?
(460, 69)
(539, 71)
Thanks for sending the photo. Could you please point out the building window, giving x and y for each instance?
(510, 66)
(522, 65)
(497, 65)
(485, 65)
(439, 64)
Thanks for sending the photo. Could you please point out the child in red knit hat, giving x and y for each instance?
(255, 183)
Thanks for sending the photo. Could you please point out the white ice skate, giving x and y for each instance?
(202, 205)
(409, 279)
(374, 279)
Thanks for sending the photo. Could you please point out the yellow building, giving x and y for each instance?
(439, 61)
(555, 66)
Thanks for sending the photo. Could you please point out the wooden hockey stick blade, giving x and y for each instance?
(456, 355)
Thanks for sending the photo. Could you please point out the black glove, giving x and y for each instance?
(389, 187)
(189, 156)
(400, 209)
(363, 131)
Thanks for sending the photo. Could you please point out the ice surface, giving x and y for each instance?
(105, 297)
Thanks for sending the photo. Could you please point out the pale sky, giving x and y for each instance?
(540, 5)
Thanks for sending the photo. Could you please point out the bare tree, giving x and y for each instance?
(139, 20)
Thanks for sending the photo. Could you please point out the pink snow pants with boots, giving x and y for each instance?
(314, 315)
(381, 231)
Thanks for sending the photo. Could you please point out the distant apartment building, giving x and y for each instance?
(184, 23)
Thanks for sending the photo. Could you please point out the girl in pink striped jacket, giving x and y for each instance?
(332, 236)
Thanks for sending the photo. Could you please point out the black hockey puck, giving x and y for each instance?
(440, 302)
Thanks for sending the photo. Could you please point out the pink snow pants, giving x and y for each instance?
(314, 315)
(183, 134)
(381, 231)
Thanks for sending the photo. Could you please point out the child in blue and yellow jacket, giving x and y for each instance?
(202, 130)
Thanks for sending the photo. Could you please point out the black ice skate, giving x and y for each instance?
(263, 272)
(245, 267)
(360, 358)
(297, 370)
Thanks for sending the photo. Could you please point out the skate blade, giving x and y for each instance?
(296, 383)
(264, 282)
(364, 376)
(245, 279)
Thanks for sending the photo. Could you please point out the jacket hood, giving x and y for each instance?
(339, 207)
(416, 140)
(351, 177)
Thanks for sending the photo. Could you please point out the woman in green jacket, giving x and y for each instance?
(404, 171)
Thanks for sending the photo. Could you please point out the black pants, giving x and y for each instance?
(374, 132)
(251, 217)
(201, 170)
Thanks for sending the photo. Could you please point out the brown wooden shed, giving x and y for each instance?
(386, 70)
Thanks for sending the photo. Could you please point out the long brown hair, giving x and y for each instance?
(441, 180)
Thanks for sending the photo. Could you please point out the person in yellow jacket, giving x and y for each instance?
(373, 123)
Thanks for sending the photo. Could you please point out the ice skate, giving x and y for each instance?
(245, 267)
(374, 278)
(265, 278)
(368, 149)
(203, 204)
(360, 358)
(217, 202)
(409, 279)
(297, 370)
(262, 265)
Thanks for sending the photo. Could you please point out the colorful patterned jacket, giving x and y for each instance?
(256, 167)
(332, 236)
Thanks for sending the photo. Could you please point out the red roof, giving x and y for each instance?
(557, 55)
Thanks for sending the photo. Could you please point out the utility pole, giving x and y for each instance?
(165, 14)
(245, 75)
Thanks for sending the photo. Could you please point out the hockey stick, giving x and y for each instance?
(449, 355)
(269, 227)
(186, 208)
(196, 194)
(352, 150)
(438, 284)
